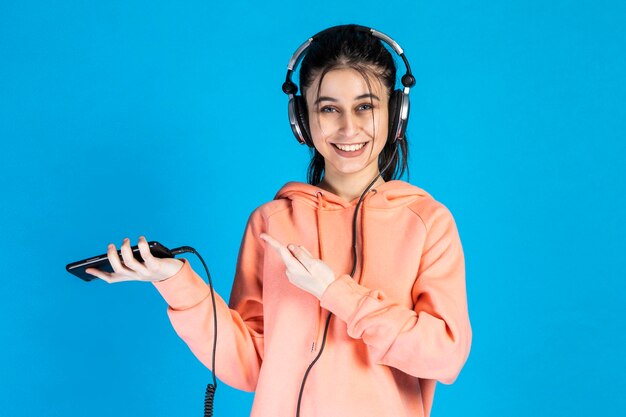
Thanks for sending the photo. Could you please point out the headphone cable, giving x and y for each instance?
(210, 389)
(354, 260)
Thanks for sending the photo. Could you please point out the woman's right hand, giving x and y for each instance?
(153, 269)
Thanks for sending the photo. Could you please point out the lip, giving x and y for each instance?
(348, 144)
(354, 154)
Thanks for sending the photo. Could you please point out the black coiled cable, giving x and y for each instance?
(208, 400)
(210, 389)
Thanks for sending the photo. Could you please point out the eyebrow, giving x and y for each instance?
(326, 98)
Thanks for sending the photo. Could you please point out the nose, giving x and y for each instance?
(349, 125)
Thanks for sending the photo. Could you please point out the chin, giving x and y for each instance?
(350, 168)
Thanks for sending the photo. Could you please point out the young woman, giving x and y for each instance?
(386, 305)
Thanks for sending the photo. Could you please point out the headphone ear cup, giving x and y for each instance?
(302, 119)
(398, 115)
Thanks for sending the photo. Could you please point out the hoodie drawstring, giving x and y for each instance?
(318, 219)
(320, 205)
(361, 230)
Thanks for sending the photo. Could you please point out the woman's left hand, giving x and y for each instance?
(303, 270)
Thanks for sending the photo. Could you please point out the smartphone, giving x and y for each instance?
(102, 263)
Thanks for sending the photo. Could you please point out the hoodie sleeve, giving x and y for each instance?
(433, 339)
(240, 324)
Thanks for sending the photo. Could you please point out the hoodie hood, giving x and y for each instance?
(390, 194)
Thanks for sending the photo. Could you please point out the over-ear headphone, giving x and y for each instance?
(398, 102)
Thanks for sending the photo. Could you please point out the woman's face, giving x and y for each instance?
(348, 116)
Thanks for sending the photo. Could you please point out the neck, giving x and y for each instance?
(349, 187)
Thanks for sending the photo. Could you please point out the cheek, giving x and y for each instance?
(321, 126)
(314, 127)
(318, 132)
(381, 125)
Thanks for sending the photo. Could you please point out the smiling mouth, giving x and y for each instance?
(350, 148)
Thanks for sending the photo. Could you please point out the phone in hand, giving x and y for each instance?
(102, 263)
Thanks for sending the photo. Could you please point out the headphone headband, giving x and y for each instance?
(290, 88)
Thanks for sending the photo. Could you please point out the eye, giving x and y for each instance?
(327, 109)
(366, 107)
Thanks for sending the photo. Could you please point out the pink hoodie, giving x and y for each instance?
(398, 327)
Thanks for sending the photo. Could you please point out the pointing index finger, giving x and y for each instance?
(272, 242)
(282, 250)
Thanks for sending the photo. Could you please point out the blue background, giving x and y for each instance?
(123, 118)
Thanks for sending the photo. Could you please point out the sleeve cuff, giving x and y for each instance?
(184, 289)
(342, 297)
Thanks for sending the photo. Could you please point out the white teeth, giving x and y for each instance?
(350, 148)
